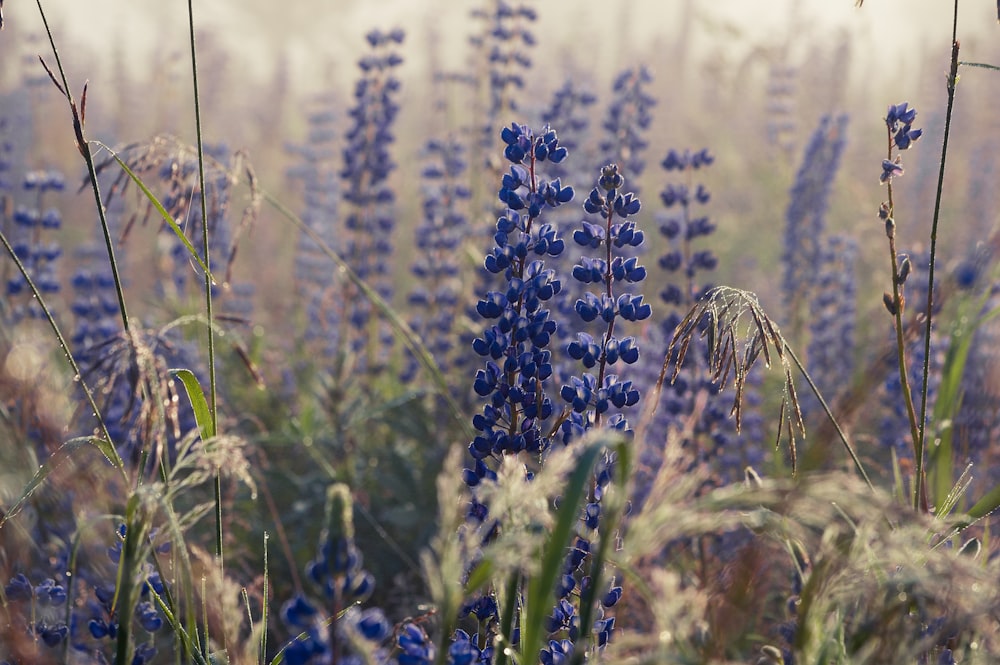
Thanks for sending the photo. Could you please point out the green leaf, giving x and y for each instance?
(479, 577)
(949, 401)
(609, 528)
(986, 505)
(160, 209)
(542, 588)
(55, 460)
(202, 414)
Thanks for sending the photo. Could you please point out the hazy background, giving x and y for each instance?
(320, 35)
(713, 64)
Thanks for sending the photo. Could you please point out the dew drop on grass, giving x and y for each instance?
(76, 378)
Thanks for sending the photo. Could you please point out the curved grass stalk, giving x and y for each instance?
(110, 449)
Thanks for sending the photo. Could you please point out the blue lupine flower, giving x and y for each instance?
(890, 169)
(337, 572)
(714, 442)
(515, 342)
(96, 317)
(463, 650)
(149, 617)
(373, 625)
(143, 653)
(505, 43)
(628, 118)
(558, 652)
(179, 172)
(29, 237)
(781, 105)
(977, 423)
(684, 226)
(832, 317)
(416, 647)
(314, 280)
(298, 612)
(52, 635)
(805, 217)
(568, 111)
(19, 588)
(899, 122)
(367, 166)
(436, 292)
(517, 375)
(590, 398)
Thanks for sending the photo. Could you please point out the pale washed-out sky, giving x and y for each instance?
(315, 33)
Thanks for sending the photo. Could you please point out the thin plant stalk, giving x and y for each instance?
(79, 117)
(212, 395)
(77, 373)
(831, 417)
(925, 378)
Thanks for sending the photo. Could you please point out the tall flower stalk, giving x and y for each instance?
(370, 215)
(515, 343)
(900, 136)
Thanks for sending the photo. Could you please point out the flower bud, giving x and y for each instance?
(890, 303)
(904, 270)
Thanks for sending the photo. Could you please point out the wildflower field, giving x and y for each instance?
(495, 339)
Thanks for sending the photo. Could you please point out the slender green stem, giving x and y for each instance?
(262, 652)
(212, 397)
(952, 82)
(833, 420)
(79, 116)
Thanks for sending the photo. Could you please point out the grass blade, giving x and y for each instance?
(178, 231)
(542, 588)
(202, 414)
(61, 455)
